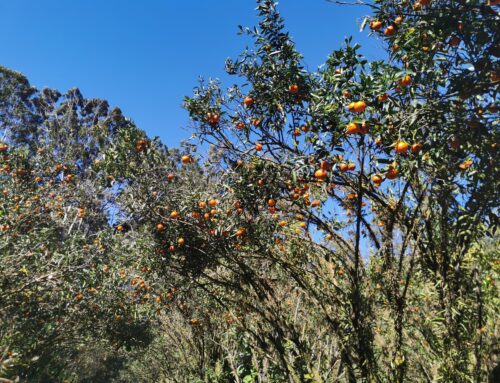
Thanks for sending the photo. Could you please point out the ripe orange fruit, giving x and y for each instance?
(390, 30)
(212, 202)
(465, 165)
(377, 179)
(258, 147)
(294, 88)
(416, 148)
(213, 118)
(171, 248)
(398, 20)
(160, 227)
(271, 202)
(186, 159)
(351, 106)
(241, 232)
(382, 98)
(351, 166)
(321, 174)
(282, 223)
(261, 182)
(170, 177)
(391, 173)
(181, 241)
(174, 214)
(248, 101)
(304, 128)
(79, 297)
(325, 165)
(352, 128)
(202, 204)
(343, 167)
(120, 228)
(240, 125)
(256, 121)
(359, 106)
(405, 81)
(3, 147)
(375, 25)
(401, 147)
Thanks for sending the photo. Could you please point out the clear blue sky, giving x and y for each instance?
(145, 56)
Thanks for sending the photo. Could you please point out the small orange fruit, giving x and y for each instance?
(389, 31)
(377, 179)
(294, 88)
(186, 159)
(321, 174)
(248, 101)
(405, 81)
(391, 173)
(416, 148)
(376, 25)
(359, 106)
(352, 128)
(258, 146)
(401, 147)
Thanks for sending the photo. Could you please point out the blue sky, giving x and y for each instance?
(145, 56)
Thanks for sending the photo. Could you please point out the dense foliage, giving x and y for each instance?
(342, 227)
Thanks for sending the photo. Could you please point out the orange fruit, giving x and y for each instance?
(401, 147)
(405, 81)
(389, 31)
(174, 214)
(160, 227)
(359, 106)
(241, 232)
(465, 165)
(202, 204)
(398, 20)
(181, 241)
(325, 165)
(391, 173)
(248, 101)
(351, 166)
(321, 174)
(170, 177)
(240, 125)
(213, 118)
(343, 167)
(382, 98)
(258, 147)
(186, 159)
(377, 179)
(376, 25)
(212, 202)
(346, 94)
(271, 202)
(351, 106)
(282, 223)
(416, 148)
(352, 128)
(294, 88)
